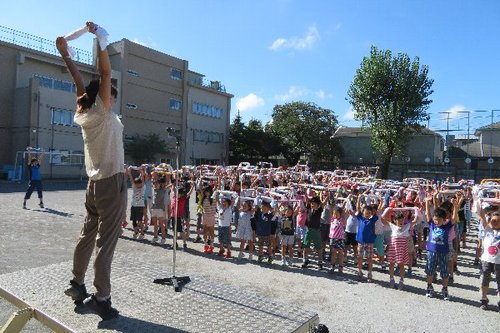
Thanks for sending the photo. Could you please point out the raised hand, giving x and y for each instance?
(62, 46)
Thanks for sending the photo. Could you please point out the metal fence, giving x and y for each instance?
(40, 44)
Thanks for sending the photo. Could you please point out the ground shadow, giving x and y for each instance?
(127, 324)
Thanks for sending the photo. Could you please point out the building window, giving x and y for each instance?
(56, 84)
(175, 104)
(207, 110)
(207, 136)
(62, 117)
(132, 73)
(175, 74)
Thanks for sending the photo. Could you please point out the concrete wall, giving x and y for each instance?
(359, 147)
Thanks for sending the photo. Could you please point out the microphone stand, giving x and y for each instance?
(176, 281)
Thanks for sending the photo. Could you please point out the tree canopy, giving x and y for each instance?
(390, 96)
(142, 149)
(305, 129)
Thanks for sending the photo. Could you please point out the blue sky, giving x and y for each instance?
(269, 52)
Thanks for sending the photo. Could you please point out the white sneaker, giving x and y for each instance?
(155, 239)
(241, 255)
(141, 236)
(162, 241)
(283, 262)
(290, 261)
(250, 256)
(135, 235)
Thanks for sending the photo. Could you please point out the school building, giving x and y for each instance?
(155, 91)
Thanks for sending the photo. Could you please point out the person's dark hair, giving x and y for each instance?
(316, 200)
(86, 101)
(34, 160)
(447, 206)
(209, 189)
(440, 212)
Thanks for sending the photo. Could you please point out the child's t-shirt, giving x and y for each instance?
(352, 224)
(438, 237)
(181, 203)
(491, 246)
(137, 196)
(366, 229)
(287, 226)
(403, 231)
(337, 228)
(225, 216)
(159, 198)
(262, 224)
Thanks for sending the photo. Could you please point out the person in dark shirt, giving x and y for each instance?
(35, 179)
(313, 234)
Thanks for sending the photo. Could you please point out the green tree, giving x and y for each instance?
(390, 95)
(237, 140)
(305, 129)
(142, 149)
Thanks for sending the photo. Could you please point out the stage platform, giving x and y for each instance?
(201, 306)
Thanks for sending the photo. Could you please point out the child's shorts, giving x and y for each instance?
(365, 250)
(136, 213)
(350, 239)
(158, 213)
(488, 268)
(224, 236)
(337, 243)
(300, 232)
(433, 260)
(263, 240)
(312, 236)
(287, 239)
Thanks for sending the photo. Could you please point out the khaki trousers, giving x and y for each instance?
(106, 201)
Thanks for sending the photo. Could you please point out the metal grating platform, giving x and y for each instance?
(202, 306)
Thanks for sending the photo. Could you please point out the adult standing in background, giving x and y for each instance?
(107, 189)
(35, 178)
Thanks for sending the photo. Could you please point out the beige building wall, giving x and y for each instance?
(151, 82)
(208, 132)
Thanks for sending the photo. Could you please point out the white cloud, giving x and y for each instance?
(453, 111)
(250, 101)
(321, 94)
(297, 43)
(349, 115)
(140, 42)
(293, 93)
(150, 43)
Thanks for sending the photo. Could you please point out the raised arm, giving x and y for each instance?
(62, 47)
(104, 67)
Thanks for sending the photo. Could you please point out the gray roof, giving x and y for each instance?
(366, 132)
(475, 149)
(494, 127)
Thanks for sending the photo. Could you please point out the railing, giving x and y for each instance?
(216, 85)
(40, 44)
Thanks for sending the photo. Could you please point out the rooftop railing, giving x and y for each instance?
(40, 44)
(216, 85)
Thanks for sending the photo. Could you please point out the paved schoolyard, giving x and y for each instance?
(39, 237)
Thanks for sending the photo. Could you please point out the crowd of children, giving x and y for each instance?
(286, 213)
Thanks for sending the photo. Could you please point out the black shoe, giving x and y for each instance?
(102, 308)
(197, 240)
(306, 262)
(77, 292)
(41, 205)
